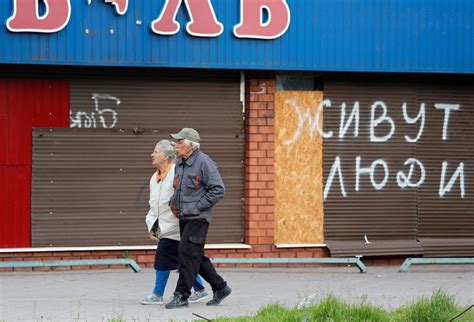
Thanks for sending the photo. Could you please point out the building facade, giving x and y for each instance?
(341, 128)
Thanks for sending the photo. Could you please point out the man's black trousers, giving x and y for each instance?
(192, 260)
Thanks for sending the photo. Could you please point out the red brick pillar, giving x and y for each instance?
(259, 163)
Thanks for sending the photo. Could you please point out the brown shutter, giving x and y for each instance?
(394, 219)
(90, 186)
(446, 224)
(387, 218)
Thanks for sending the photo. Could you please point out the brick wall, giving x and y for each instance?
(259, 164)
(260, 178)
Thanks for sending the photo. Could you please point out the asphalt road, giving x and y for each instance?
(103, 295)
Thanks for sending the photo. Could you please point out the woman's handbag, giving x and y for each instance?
(155, 231)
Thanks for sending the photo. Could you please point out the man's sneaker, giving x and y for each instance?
(198, 296)
(219, 296)
(177, 301)
(152, 299)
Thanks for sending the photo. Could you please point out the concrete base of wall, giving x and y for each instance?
(145, 258)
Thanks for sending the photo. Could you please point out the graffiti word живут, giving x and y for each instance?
(379, 115)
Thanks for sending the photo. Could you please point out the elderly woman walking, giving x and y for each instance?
(163, 226)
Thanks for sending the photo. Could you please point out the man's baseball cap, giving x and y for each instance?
(187, 133)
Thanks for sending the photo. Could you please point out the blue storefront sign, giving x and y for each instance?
(428, 36)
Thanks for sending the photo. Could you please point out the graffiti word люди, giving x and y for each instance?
(403, 179)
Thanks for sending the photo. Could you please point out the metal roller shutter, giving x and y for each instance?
(90, 182)
(399, 220)
(368, 221)
(446, 217)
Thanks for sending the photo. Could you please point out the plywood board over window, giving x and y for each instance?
(298, 168)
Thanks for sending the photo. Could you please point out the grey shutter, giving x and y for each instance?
(90, 185)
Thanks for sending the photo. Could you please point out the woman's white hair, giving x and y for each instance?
(195, 145)
(167, 147)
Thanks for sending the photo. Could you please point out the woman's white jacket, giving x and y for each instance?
(160, 194)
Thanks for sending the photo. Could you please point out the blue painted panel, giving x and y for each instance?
(324, 35)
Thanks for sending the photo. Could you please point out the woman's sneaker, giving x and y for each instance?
(152, 299)
(198, 296)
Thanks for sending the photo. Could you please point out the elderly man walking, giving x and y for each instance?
(198, 187)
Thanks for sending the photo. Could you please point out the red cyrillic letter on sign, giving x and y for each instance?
(203, 19)
(166, 23)
(120, 5)
(251, 21)
(26, 16)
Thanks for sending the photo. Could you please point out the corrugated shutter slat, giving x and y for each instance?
(90, 185)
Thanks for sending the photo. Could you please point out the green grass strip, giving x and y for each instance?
(439, 307)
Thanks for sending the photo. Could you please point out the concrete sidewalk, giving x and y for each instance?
(103, 295)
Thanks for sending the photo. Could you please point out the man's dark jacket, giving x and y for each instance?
(198, 187)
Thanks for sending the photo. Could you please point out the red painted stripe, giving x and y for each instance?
(24, 104)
